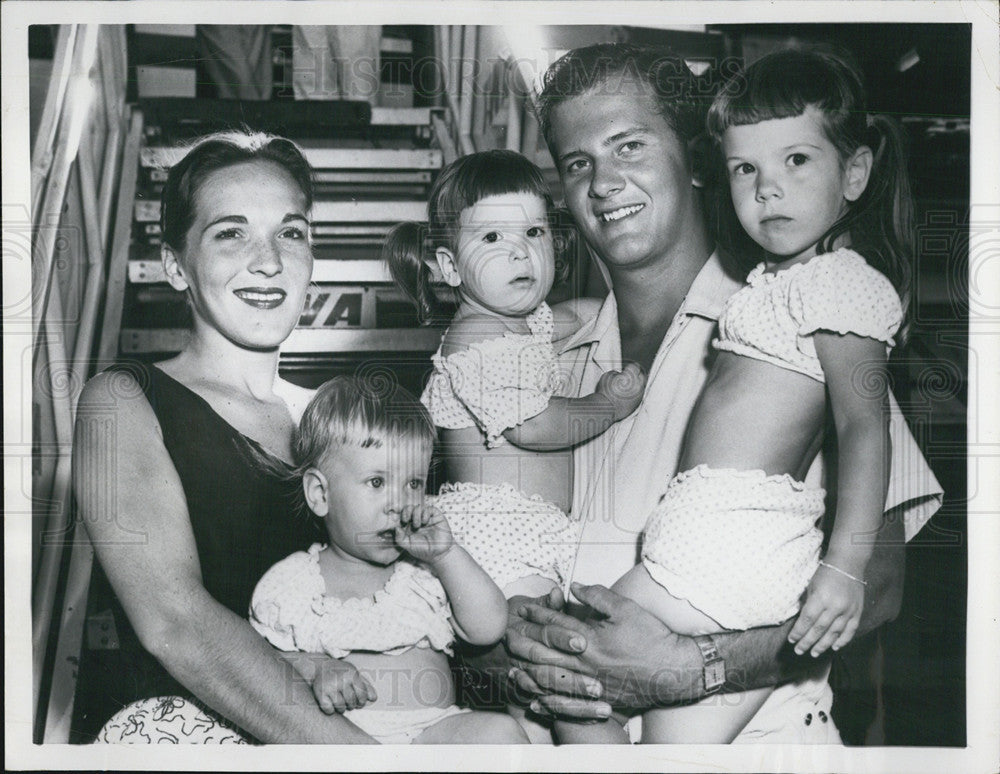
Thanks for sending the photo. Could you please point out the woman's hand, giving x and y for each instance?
(423, 533)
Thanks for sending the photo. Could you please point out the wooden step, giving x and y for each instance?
(369, 272)
(148, 211)
(402, 116)
(326, 158)
(316, 341)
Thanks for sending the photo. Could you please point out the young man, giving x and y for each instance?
(624, 130)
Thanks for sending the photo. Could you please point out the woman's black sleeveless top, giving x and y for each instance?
(244, 517)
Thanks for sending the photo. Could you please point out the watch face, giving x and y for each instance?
(715, 675)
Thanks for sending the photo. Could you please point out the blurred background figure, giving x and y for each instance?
(336, 62)
(237, 59)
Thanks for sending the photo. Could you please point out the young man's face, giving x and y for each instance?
(626, 174)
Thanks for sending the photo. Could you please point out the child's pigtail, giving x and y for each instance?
(881, 221)
(404, 253)
(566, 243)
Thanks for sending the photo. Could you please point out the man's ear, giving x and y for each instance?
(700, 153)
(856, 173)
(446, 265)
(315, 488)
(172, 268)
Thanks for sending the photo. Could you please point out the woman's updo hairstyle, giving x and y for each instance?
(220, 151)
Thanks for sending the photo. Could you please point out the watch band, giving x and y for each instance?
(713, 667)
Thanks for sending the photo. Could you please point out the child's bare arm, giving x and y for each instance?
(567, 422)
(478, 607)
(854, 367)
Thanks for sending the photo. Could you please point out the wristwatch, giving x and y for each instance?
(713, 667)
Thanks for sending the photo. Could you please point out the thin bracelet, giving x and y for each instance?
(843, 572)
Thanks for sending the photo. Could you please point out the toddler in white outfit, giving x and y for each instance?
(385, 599)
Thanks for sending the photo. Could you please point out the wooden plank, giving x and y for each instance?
(42, 153)
(401, 116)
(372, 230)
(118, 267)
(368, 212)
(318, 340)
(371, 272)
(374, 177)
(396, 45)
(302, 341)
(148, 211)
(327, 158)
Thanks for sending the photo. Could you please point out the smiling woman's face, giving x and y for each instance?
(247, 260)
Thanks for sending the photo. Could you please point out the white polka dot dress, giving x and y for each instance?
(495, 384)
(774, 317)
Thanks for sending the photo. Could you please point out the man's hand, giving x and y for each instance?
(636, 660)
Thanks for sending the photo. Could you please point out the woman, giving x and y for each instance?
(182, 520)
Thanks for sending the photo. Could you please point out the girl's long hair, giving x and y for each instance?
(782, 85)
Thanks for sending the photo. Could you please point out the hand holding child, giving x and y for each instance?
(423, 532)
(624, 389)
(830, 615)
(338, 687)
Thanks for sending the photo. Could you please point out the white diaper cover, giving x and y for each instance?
(400, 726)
(739, 545)
(510, 535)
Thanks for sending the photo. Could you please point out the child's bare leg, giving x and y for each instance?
(678, 614)
(716, 719)
(536, 731)
(610, 731)
(713, 720)
(474, 728)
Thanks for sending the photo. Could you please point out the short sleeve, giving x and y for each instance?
(281, 609)
(502, 383)
(839, 292)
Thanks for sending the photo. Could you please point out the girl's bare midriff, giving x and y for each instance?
(546, 474)
(739, 421)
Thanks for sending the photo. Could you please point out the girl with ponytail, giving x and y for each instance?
(506, 433)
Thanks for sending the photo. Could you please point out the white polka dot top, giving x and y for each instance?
(774, 316)
(290, 607)
(495, 384)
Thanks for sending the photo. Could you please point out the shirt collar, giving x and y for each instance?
(711, 288)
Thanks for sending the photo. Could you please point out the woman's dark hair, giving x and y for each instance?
(467, 180)
(619, 68)
(782, 85)
(219, 151)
